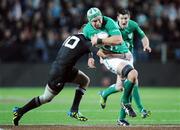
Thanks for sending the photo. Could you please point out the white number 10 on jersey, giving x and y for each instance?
(71, 42)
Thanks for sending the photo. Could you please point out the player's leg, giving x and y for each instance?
(105, 93)
(123, 68)
(114, 88)
(122, 118)
(83, 81)
(46, 97)
(144, 113)
(136, 96)
(51, 90)
(122, 113)
(130, 74)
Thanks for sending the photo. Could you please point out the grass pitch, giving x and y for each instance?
(164, 104)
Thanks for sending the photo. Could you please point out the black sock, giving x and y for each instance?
(34, 103)
(77, 98)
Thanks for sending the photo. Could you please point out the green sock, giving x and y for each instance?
(128, 86)
(110, 90)
(122, 113)
(137, 98)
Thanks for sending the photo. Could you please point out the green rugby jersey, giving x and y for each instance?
(110, 27)
(128, 33)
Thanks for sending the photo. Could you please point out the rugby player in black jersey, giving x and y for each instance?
(62, 71)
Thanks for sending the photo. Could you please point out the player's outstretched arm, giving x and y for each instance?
(145, 42)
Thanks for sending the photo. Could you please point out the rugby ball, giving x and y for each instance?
(102, 35)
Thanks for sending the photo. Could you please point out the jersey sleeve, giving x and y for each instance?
(112, 27)
(138, 30)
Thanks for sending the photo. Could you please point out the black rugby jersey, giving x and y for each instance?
(72, 49)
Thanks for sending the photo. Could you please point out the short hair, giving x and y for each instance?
(123, 11)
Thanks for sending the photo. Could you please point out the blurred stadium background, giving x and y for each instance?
(31, 32)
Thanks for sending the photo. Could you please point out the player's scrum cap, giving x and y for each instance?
(92, 13)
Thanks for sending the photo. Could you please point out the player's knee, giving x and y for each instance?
(132, 75)
(55, 86)
(46, 98)
(119, 88)
(85, 82)
(126, 70)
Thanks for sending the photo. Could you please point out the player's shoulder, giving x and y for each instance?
(78, 34)
(133, 23)
(87, 27)
(81, 36)
(108, 19)
(109, 22)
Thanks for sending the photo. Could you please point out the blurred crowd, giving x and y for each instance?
(33, 30)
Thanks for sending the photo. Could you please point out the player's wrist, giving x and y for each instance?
(90, 55)
(99, 41)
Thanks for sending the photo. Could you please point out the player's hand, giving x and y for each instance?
(91, 63)
(94, 40)
(101, 60)
(100, 53)
(147, 48)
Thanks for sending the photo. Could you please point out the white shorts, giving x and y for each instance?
(112, 63)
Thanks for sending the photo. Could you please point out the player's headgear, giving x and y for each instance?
(92, 13)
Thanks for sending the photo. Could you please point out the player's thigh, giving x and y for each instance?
(119, 83)
(71, 74)
(56, 80)
(116, 65)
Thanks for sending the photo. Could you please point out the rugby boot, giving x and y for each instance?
(102, 100)
(129, 110)
(77, 115)
(122, 123)
(16, 115)
(145, 113)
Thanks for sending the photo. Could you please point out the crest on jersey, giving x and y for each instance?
(130, 36)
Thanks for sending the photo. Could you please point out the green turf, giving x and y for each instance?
(164, 104)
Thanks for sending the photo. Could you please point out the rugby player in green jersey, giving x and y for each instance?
(105, 34)
(128, 28)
